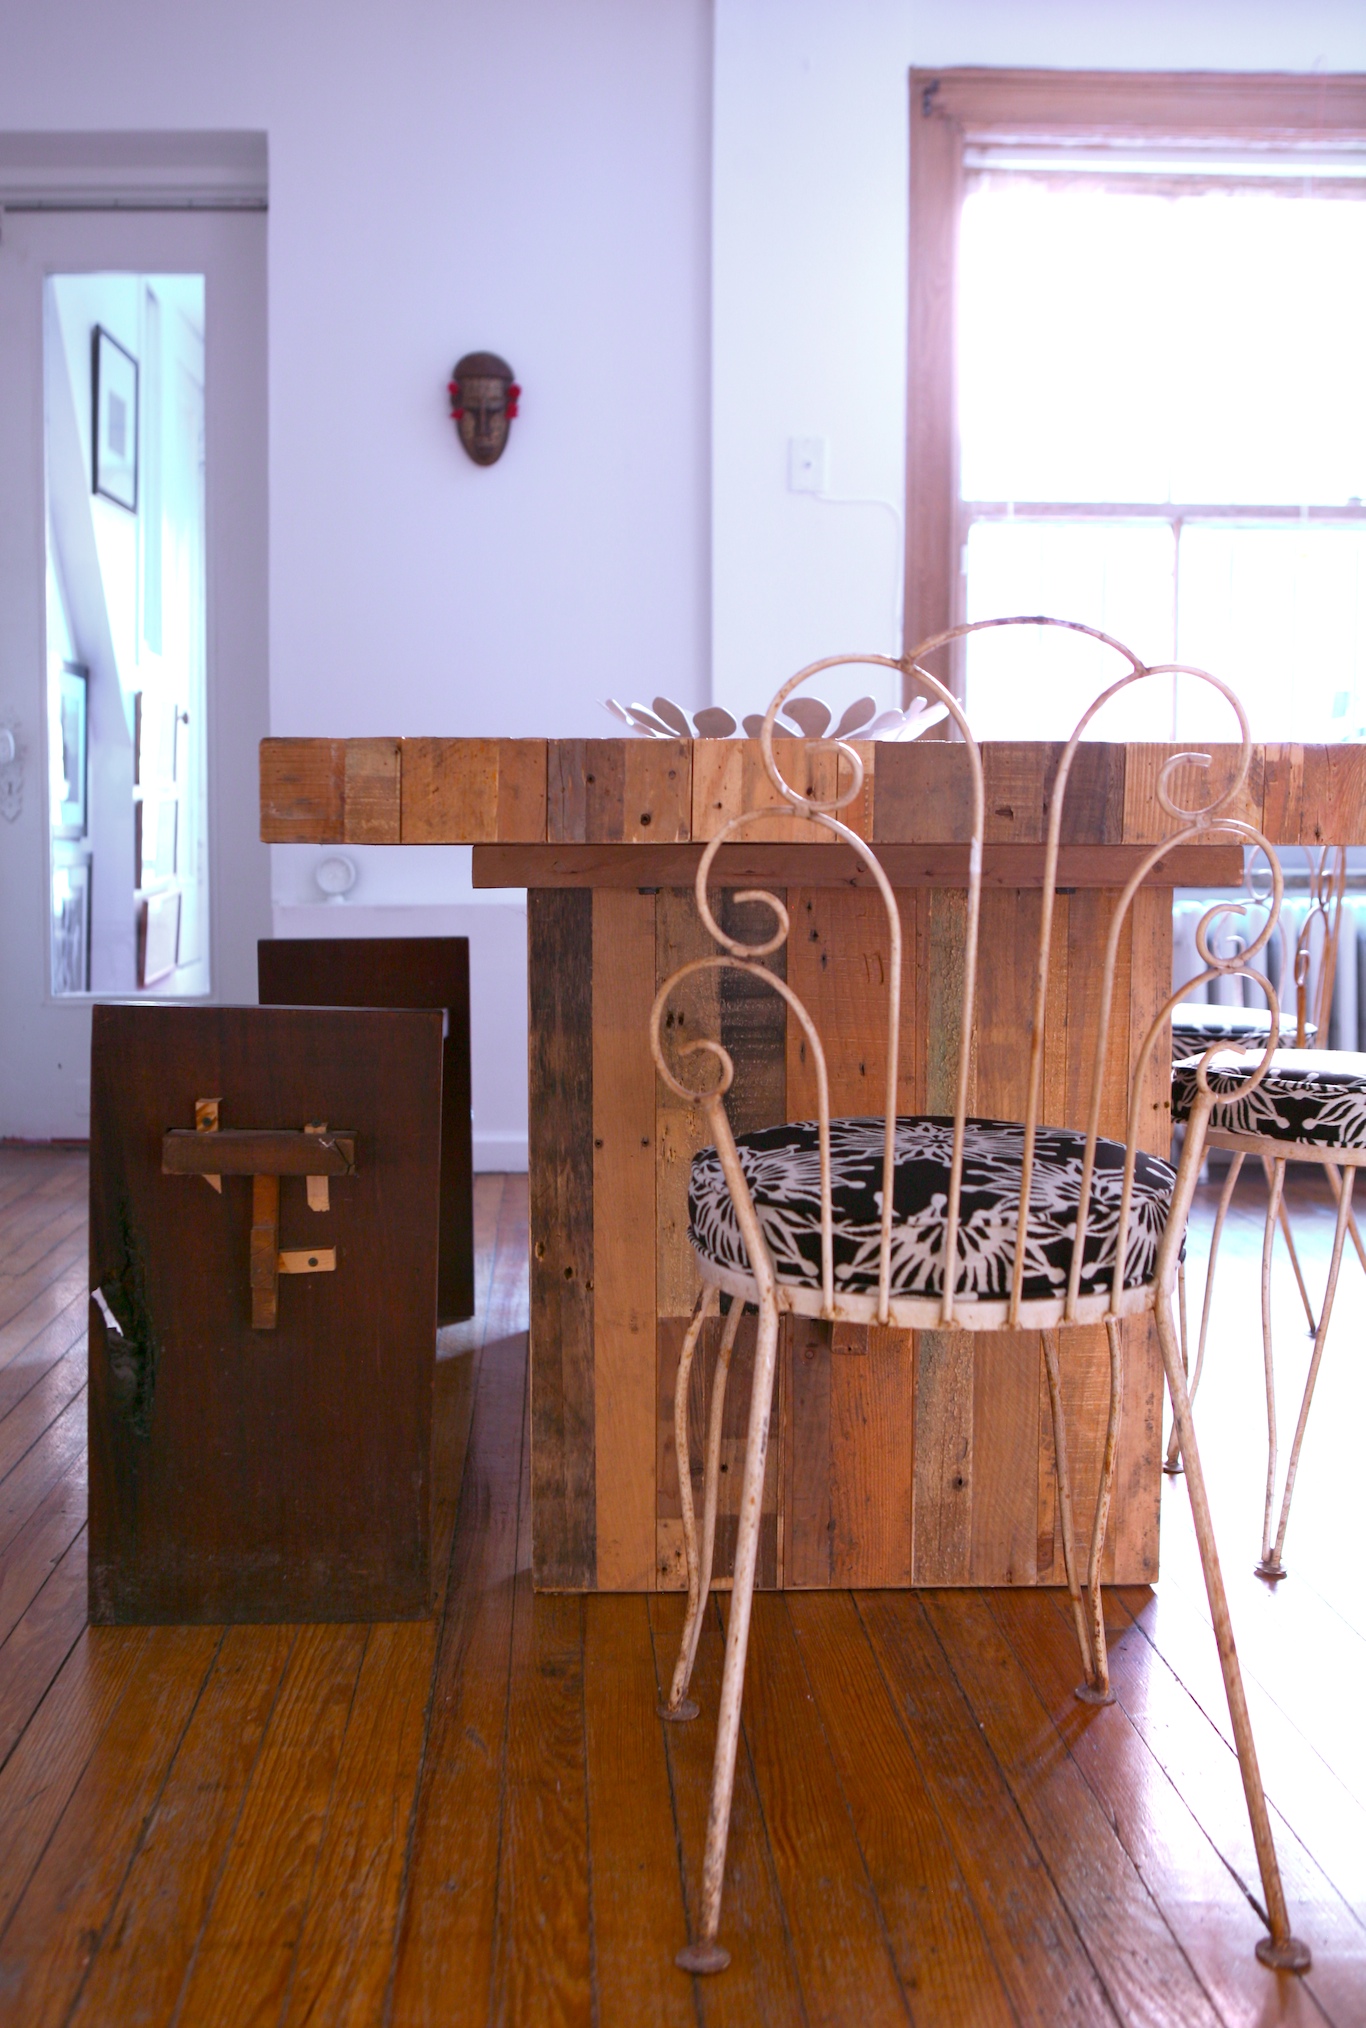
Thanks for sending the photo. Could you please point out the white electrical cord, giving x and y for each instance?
(899, 566)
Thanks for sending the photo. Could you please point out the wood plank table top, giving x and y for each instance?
(671, 792)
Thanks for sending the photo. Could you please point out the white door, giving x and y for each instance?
(129, 858)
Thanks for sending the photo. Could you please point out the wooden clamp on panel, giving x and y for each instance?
(265, 1155)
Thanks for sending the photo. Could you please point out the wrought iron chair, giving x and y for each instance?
(854, 1220)
(1196, 1024)
(1309, 1107)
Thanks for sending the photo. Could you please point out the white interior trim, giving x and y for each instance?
(133, 172)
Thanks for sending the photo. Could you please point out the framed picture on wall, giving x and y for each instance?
(70, 816)
(71, 926)
(114, 384)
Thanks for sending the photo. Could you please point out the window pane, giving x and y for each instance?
(1143, 348)
(1025, 683)
(1280, 614)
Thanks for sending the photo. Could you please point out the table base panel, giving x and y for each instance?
(900, 1457)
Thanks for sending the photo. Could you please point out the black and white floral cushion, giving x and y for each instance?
(1198, 1023)
(1313, 1096)
(782, 1168)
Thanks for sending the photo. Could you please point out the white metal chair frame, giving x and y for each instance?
(1327, 889)
(773, 1298)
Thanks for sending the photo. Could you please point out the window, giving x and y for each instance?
(1136, 396)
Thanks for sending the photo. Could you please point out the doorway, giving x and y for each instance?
(133, 629)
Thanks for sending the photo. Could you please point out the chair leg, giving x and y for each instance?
(1069, 1555)
(1335, 1179)
(1097, 1690)
(680, 1705)
(1284, 1216)
(1171, 1463)
(1281, 1950)
(706, 1955)
(1271, 1566)
(1235, 1167)
(1273, 1206)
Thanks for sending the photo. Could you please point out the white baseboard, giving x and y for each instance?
(500, 1153)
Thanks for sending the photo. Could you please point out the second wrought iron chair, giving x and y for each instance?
(1309, 1107)
(939, 1223)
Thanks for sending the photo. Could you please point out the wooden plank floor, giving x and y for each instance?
(481, 1819)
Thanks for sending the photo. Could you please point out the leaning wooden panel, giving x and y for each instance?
(400, 972)
(303, 791)
(624, 1244)
(560, 1161)
(247, 1474)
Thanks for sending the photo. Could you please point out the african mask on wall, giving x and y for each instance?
(484, 399)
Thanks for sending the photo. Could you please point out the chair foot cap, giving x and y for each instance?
(1173, 1467)
(1289, 1955)
(1087, 1693)
(709, 1957)
(685, 1708)
(1270, 1573)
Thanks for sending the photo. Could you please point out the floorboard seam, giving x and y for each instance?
(66, 1657)
(144, 1827)
(843, 1796)
(1139, 1872)
(230, 1840)
(933, 1799)
(1009, 1787)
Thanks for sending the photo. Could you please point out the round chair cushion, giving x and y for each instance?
(782, 1168)
(1198, 1023)
(1314, 1096)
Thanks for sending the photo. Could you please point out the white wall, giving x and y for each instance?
(538, 178)
(809, 276)
(532, 178)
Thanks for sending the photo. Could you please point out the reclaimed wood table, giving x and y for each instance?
(902, 1458)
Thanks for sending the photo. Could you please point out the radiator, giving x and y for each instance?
(1347, 1021)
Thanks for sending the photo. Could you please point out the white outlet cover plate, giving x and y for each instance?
(807, 458)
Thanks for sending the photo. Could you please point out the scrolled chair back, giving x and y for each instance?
(1208, 822)
(1327, 869)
